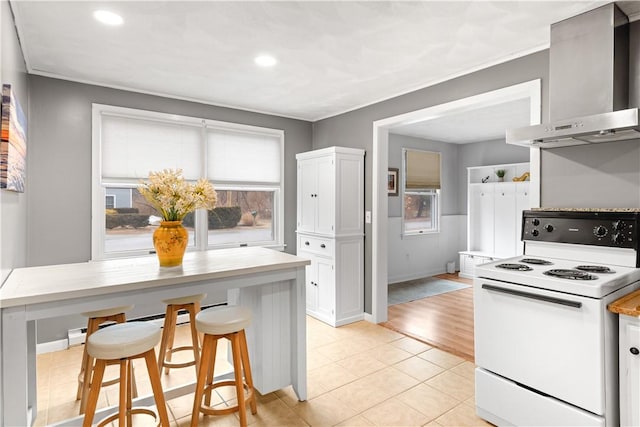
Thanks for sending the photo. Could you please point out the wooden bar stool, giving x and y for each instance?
(224, 322)
(96, 318)
(120, 344)
(191, 304)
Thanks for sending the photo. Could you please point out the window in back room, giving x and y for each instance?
(421, 192)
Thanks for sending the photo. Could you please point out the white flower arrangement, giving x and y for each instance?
(171, 195)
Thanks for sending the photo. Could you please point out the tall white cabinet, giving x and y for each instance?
(494, 214)
(330, 228)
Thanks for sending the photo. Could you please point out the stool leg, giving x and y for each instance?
(166, 332)
(237, 370)
(87, 367)
(195, 342)
(156, 386)
(92, 400)
(246, 367)
(122, 396)
(205, 360)
(211, 370)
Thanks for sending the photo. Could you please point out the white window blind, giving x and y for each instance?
(423, 170)
(240, 156)
(133, 147)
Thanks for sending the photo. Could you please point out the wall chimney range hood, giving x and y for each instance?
(591, 59)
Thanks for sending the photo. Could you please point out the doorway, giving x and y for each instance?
(529, 90)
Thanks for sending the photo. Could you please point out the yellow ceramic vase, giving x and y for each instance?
(170, 241)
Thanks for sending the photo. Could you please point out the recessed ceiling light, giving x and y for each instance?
(107, 17)
(265, 60)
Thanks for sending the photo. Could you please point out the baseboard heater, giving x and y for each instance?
(77, 336)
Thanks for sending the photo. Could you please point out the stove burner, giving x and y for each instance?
(536, 261)
(570, 274)
(595, 269)
(518, 267)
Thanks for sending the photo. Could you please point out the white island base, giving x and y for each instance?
(268, 282)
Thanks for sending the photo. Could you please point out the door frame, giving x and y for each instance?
(379, 269)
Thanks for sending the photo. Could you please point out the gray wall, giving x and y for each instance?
(355, 128)
(59, 221)
(13, 206)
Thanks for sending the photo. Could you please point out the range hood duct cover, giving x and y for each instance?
(589, 63)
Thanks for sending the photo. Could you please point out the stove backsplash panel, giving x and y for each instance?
(591, 176)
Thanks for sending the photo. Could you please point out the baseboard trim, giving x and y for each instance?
(51, 346)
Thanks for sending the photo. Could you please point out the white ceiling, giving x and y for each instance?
(334, 56)
(480, 124)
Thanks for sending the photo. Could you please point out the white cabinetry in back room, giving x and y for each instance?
(330, 228)
(494, 209)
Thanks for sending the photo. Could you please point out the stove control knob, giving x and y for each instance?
(634, 351)
(600, 231)
(618, 238)
(535, 221)
(549, 228)
(618, 225)
(534, 233)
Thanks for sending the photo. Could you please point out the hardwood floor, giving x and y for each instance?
(444, 321)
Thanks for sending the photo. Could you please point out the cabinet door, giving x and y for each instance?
(311, 280)
(307, 189)
(629, 371)
(481, 218)
(325, 201)
(505, 220)
(326, 287)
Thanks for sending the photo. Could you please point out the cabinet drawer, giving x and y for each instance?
(317, 245)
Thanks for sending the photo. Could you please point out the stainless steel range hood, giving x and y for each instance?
(590, 61)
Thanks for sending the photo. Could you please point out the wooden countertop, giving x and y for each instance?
(628, 304)
(32, 285)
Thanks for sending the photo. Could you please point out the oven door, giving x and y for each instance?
(547, 341)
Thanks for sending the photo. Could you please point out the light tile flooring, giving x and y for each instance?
(358, 375)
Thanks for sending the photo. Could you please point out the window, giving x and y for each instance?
(244, 163)
(421, 192)
(110, 201)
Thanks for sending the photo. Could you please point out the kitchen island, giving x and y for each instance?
(268, 282)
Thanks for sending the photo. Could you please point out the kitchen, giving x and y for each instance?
(599, 175)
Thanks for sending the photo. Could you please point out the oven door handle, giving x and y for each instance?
(545, 298)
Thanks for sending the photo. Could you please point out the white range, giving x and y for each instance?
(546, 347)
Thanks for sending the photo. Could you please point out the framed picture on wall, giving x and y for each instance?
(392, 181)
(13, 142)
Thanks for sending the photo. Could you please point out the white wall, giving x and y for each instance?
(426, 255)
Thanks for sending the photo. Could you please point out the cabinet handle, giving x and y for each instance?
(634, 351)
(306, 243)
(323, 246)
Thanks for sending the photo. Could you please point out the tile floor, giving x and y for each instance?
(358, 375)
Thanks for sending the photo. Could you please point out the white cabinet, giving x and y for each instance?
(629, 370)
(330, 229)
(494, 214)
(331, 191)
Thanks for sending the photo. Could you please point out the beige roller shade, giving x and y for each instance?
(423, 170)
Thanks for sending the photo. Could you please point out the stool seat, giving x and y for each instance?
(185, 300)
(123, 340)
(112, 311)
(223, 320)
